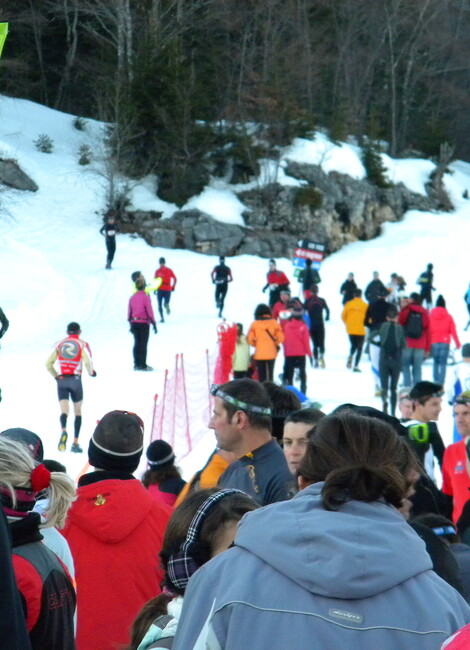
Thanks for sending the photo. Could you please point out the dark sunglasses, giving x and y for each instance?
(462, 400)
(216, 391)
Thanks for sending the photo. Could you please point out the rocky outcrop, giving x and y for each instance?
(333, 209)
(12, 175)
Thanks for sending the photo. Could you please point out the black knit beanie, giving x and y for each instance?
(117, 442)
(160, 454)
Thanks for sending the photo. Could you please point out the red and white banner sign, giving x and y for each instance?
(304, 253)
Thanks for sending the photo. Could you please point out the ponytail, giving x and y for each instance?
(21, 475)
(61, 494)
(363, 483)
(360, 458)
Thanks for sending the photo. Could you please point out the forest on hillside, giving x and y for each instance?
(189, 84)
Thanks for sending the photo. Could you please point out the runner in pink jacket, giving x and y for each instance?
(296, 348)
(140, 316)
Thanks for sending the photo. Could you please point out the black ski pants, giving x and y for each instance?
(265, 369)
(317, 334)
(141, 333)
(220, 293)
(111, 248)
(290, 364)
(357, 341)
(389, 373)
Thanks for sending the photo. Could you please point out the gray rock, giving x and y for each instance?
(335, 210)
(12, 175)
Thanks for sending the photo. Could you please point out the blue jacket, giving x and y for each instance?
(303, 577)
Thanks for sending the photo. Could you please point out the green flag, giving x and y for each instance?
(3, 35)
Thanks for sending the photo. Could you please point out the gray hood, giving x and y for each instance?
(357, 552)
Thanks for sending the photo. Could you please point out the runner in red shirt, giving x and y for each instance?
(70, 353)
(167, 286)
(276, 281)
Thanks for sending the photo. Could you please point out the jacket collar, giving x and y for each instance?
(103, 475)
(26, 530)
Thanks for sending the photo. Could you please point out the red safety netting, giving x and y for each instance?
(182, 412)
(227, 336)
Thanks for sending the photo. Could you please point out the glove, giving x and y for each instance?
(93, 374)
(154, 329)
(311, 362)
(263, 289)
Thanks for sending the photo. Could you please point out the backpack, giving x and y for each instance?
(389, 344)
(414, 325)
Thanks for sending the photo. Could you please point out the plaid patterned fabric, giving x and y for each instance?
(181, 565)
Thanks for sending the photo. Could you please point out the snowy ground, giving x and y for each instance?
(52, 268)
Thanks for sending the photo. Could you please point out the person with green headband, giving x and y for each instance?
(241, 419)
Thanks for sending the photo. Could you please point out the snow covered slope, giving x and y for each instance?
(52, 268)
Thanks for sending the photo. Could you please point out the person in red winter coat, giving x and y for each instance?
(442, 329)
(296, 348)
(415, 321)
(167, 286)
(45, 585)
(276, 281)
(115, 531)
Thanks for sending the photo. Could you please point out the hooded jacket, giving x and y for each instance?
(442, 326)
(162, 631)
(115, 532)
(423, 342)
(297, 339)
(353, 316)
(301, 576)
(264, 335)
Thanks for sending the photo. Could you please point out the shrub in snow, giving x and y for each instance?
(79, 123)
(44, 143)
(84, 155)
(120, 199)
(309, 196)
(375, 169)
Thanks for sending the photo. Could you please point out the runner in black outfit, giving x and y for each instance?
(221, 275)
(109, 230)
(347, 288)
(315, 307)
(425, 281)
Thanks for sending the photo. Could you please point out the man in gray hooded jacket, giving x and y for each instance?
(304, 574)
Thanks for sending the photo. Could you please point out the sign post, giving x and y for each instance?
(307, 250)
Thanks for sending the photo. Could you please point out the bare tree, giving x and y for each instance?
(70, 11)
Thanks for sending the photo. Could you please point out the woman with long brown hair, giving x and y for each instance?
(200, 528)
